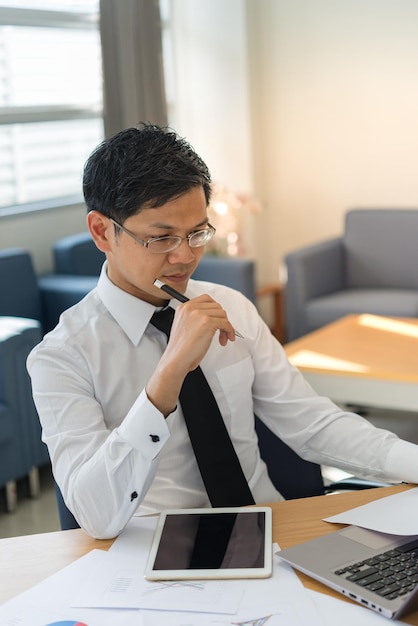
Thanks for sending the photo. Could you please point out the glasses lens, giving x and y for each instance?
(201, 237)
(162, 245)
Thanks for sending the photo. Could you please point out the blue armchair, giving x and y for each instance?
(22, 450)
(17, 455)
(77, 264)
(371, 268)
(77, 256)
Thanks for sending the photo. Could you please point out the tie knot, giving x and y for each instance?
(163, 320)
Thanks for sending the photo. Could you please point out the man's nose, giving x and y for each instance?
(184, 253)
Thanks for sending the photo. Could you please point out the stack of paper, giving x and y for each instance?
(108, 588)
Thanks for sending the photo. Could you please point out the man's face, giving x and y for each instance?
(133, 267)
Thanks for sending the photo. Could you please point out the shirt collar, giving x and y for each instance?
(131, 313)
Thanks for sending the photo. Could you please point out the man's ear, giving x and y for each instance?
(100, 228)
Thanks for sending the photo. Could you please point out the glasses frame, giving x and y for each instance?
(178, 239)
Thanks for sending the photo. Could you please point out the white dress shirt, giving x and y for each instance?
(113, 453)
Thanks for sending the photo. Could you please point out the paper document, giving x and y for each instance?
(334, 611)
(119, 580)
(49, 602)
(281, 600)
(116, 584)
(277, 601)
(393, 515)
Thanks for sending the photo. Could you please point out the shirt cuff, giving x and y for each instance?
(144, 427)
(402, 462)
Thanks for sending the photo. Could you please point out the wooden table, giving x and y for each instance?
(28, 560)
(365, 360)
(275, 292)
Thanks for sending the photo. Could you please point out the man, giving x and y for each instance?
(106, 383)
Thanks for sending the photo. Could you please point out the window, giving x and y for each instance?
(50, 99)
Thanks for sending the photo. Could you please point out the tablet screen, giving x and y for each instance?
(212, 543)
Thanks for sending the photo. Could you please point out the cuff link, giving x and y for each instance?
(155, 438)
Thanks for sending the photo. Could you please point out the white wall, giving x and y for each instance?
(212, 104)
(314, 105)
(311, 104)
(335, 114)
(37, 232)
(212, 95)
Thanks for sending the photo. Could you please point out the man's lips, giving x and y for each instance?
(176, 278)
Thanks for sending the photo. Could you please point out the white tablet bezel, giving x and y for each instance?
(182, 574)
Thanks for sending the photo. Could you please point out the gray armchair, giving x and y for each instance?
(371, 268)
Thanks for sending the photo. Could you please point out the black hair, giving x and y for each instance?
(141, 167)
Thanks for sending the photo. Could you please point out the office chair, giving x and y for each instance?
(292, 476)
(67, 519)
(296, 478)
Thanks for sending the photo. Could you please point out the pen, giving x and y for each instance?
(179, 296)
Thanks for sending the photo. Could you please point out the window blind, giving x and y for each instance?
(51, 111)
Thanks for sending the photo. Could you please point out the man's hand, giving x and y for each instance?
(194, 326)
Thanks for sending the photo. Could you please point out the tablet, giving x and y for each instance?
(233, 542)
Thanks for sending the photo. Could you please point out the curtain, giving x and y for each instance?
(132, 59)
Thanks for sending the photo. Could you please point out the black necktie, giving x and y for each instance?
(218, 463)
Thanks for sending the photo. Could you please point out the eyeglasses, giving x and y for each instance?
(168, 243)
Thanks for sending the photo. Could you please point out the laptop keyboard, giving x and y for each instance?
(391, 574)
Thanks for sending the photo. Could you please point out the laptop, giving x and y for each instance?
(377, 570)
